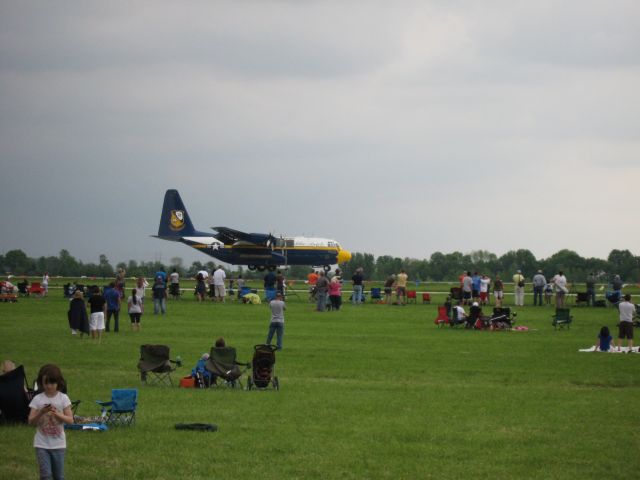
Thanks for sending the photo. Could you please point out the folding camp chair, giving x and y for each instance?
(155, 364)
(222, 363)
(426, 298)
(411, 296)
(562, 318)
(36, 289)
(376, 296)
(443, 317)
(582, 298)
(14, 401)
(123, 407)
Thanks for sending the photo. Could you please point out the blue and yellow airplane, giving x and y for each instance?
(256, 250)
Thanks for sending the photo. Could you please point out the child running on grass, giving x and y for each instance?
(604, 340)
(49, 411)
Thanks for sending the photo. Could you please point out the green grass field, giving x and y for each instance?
(373, 391)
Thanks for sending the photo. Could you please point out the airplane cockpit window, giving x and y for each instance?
(289, 242)
(279, 243)
(332, 244)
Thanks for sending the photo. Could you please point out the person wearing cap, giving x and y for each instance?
(518, 285)
(627, 311)
(538, 287)
(277, 320)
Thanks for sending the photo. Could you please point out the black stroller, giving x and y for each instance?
(264, 360)
(502, 318)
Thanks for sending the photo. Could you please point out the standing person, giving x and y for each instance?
(98, 308)
(484, 289)
(538, 287)
(135, 309)
(280, 282)
(358, 285)
(141, 284)
(322, 286)
(401, 287)
(335, 293)
(241, 283)
(120, 281)
(112, 296)
(498, 291)
(388, 288)
(560, 283)
(174, 284)
(162, 274)
(518, 286)
(276, 325)
(212, 287)
(219, 291)
(312, 278)
(625, 328)
(591, 289)
(50, 410)
(269, 281)
(45, 283)
(77, 315)
(475, 287)
(159, 297)
(467, 289)
(201, 288)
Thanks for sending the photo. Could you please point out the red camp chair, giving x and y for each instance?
(36, 289)
(411, 296)
(426, 298)
(443, 318)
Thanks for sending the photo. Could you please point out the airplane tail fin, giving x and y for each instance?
(174, 220)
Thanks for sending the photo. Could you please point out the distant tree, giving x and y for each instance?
(104, 267)
(514, 260)
(17, 262)
(69, 266)
(623, 263)
(572, 264)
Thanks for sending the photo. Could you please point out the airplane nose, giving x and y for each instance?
(344, 256)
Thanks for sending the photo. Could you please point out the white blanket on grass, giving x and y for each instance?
(613, 350)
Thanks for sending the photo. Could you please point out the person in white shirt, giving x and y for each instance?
(50, 410)
(560, 283)
(219, 291)
(627, 312)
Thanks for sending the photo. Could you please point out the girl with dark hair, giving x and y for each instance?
(134, 304)
(604, 340)
(49, 411)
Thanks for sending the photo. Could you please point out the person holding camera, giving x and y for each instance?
(518, 282)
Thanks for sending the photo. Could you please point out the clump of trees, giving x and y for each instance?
(439, 267)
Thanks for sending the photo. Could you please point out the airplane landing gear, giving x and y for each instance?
(251, 267)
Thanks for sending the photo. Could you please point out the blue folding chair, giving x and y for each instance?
(123, 407)
(376, 294)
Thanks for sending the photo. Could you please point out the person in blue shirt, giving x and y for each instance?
(604, 340)
(112, 296)
(475, 286)
(163, 275)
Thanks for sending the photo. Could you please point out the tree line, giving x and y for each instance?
(439, 267)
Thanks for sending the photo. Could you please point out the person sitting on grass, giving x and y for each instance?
(604, 340)
(475, 314)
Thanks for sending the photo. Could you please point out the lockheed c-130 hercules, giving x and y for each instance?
(255, 250)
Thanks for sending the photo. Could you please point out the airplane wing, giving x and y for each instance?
(229, 236)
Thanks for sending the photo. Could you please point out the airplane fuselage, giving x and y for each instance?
(256, 250)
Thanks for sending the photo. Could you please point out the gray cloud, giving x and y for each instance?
(396, 129)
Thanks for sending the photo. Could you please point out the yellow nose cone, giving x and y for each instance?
(344, 256)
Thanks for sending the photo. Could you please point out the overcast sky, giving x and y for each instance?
(400, 128)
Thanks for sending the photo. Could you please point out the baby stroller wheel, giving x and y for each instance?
(276, 384)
